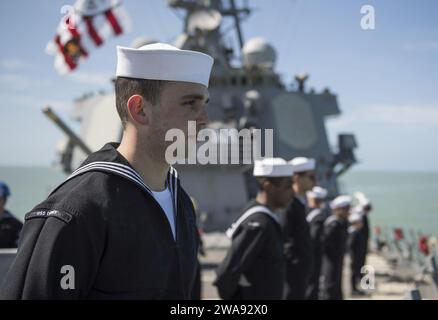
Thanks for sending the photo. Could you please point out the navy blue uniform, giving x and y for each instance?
(334, 245)
(254, 265)
(356, 247)
(105, 224)
(316, 219)
(364, 239)
(298, 250)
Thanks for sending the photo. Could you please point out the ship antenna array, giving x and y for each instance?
(238, 14)
(235, 14)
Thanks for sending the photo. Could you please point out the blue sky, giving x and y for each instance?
(386, 79)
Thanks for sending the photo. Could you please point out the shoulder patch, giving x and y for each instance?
(64, 216)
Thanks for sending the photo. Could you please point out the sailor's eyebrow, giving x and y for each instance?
(196, 97)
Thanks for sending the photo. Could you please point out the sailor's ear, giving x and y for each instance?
(136, 109)
(268, 185)
(295, 178)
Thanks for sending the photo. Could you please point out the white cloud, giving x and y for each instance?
(91, 78)
(407, 114)
(413, 115)
(13, 64)
(19, 81)
(421, 47)
(35, 103)
(389, 136)
(58, 105)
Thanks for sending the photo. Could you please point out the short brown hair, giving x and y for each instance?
(127, 87)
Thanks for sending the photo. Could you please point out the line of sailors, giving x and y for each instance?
(288, 243)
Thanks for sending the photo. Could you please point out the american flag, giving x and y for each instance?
(86, 26)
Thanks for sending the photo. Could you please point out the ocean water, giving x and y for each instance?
(400, 199)
(29, 186)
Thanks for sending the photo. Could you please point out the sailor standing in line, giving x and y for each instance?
(121, 226)
(296, 233)
(364, 207)
(10, 226)
(316, 217)
(355, 249)
(334, 244)
(254, 265)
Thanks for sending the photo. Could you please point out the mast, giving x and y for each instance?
(235, 14)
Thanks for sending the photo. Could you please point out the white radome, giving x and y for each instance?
(257, 52)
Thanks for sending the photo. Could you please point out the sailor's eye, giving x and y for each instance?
(189, 103)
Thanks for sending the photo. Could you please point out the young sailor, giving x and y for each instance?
(334, 244)
(355, 249)
(364, 207)
(298, 244)
(254, 265)
(121, 226)
(316, 217)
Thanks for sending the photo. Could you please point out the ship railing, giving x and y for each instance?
(401, 250)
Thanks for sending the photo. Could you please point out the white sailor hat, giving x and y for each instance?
(272, 167)
(355, 217)
(340, 202)
(160, 61)
(303, 164)
(357, 209)
(317, 193)
(362, 199)
(365, 202)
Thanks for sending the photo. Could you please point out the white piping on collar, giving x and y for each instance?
(330, 219)
(122, 170)
(128, 173)
(313, 214)
(256, 209)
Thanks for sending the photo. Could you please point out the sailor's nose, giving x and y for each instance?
(203, 116)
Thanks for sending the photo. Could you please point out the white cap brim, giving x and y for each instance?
(164, 64)
(272, 167)
(302, 164)
(341, 202)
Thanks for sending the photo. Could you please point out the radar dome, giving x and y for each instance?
(259, 53)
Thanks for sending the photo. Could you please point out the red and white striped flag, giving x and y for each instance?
(87, 25)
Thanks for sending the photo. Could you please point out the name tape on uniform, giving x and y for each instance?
(64, 216)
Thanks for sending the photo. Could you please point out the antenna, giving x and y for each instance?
(235, 14)
(217, 5)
